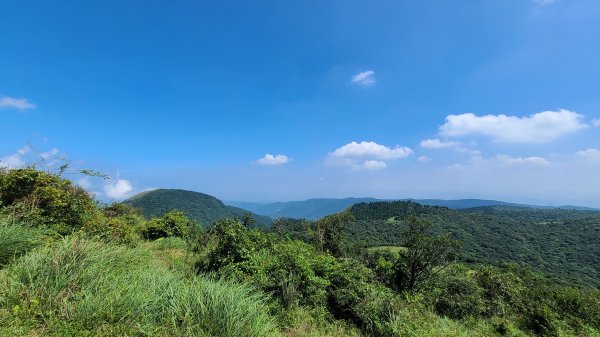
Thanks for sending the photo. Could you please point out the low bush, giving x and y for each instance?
(174, 223)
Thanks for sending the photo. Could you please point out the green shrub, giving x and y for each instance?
(503, 291)
(39, 198)
(580, 306)
(381, 262)
(293, 272)
(174, 223)
(230, 242)
(457, 295)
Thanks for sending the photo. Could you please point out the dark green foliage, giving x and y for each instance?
(295, 229)
(424, 255)
(40, 198)
(545, 239)
(580, 306)
(173, 223)
(382, 263)
(330, 233)
(457, 295)
(293, 272)
(502, 290)
(202, 208)
(355, 296)
(230, 242)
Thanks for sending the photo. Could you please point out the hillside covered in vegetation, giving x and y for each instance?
(562, 244)
(72, 267)
(314, 209)
(202, 208)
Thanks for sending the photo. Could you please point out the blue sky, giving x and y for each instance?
(282, 100)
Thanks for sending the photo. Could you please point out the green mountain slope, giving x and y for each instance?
(320, 207)
(203, 208)
(561, 243)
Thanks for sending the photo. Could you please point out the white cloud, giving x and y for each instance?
(544, 2)
(118, 189)
(596, 122)
(541, 127)
(367, 155)
(15, 103)
(371, 150)
(589, 153)
(372, 165)
(423, 159)
(16, 159)
(269, 159)
(365, 78)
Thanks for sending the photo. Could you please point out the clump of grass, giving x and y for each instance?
(82, 287)
(16, 240)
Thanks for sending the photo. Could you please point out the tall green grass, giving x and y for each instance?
(80, 287)
(15, 240)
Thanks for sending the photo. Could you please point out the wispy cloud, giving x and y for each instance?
(534, 160)
(270, 159)
(541, 127)
(372, 165)
(437, 144)
(17, 159)
(589, 153)
(423, 159)
(596, 122)
(15, 103)
(365, 78)
(544, 2)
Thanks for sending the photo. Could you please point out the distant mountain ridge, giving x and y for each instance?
(203, 208)
(320, 207)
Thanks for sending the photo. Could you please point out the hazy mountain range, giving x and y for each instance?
(319, 207)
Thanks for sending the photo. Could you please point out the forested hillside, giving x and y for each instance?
(563, 244)
(203, 208)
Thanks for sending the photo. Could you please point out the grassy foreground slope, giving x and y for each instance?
(202, 208)
(563, 244)
(78, 286)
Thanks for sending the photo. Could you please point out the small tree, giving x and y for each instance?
(330, 233)
(424, 255)
(248, 220)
